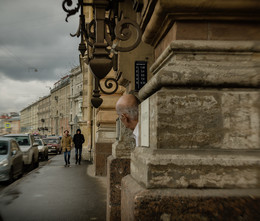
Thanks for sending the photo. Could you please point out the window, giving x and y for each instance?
(51, 141)
(39, 142)
(21, 140)
(3, 147)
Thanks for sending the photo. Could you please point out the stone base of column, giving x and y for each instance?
(117, 169)
(87, 154)
(139, 203)
(102, 151)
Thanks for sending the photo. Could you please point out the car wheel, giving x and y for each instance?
(46, 156)
(11, 176)
(22, 170)
(36, 164)
(32, 163)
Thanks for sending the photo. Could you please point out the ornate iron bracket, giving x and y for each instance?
(103, 37)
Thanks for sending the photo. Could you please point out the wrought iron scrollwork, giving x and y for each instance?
(114, 32)
(101, 39)
(109, 84)
(123, 33)
(70, 12)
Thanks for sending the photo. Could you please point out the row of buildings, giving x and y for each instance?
(57, 111)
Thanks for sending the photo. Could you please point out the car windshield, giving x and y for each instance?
(53, 141)
(22, 140)
(39, 142)
(3, 147)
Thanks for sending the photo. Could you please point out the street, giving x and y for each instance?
(55, 192)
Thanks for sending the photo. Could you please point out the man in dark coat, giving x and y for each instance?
(78, 140)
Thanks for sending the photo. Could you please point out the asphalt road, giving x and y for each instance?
(55, 192)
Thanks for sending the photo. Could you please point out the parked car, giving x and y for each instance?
(11, 159)
(29, 148)
(54, 144)
(43, 149)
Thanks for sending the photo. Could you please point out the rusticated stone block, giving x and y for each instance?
(202, 30)
(196, 168)
(117, 169)
(183, 31)
(138, 203)
(199, 119)
(125, 143)
(211, 64)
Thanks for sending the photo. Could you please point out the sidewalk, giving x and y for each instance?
(55, 192)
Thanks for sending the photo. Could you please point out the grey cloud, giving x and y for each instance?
(34, 35)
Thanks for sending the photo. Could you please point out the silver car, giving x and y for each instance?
(11, 159)
(29, 148)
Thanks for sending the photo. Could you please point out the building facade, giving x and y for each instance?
(44, 113)
(51, 114)
(60, 106)
(76, 91)
(29, 119)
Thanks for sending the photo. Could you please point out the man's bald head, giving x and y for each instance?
(127, 106)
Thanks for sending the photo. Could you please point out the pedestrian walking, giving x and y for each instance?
(66, 143)
(78, 140)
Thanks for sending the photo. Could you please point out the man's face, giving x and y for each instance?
(125, 120)
(66, 133)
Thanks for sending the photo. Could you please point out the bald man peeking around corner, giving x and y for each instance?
(127, 109)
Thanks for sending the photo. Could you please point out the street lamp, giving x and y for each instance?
(100, 40)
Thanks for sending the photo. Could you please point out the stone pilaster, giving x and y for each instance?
(85, 124)
(103, 148)
(106, 132)
(199, 133)
(118, 166)
(187, 204)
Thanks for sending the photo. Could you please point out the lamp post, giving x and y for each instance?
(100, 40)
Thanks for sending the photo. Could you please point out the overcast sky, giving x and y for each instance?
(36, 50)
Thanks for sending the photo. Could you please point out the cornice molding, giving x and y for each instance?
(159, 15)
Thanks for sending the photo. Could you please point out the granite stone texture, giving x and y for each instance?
(205, 119)
(138, 203)
(125, 142)
(118, 166)
(196, 168)
(220, 64)
(117, 169)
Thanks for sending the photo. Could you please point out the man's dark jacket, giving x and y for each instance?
(78, 140)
